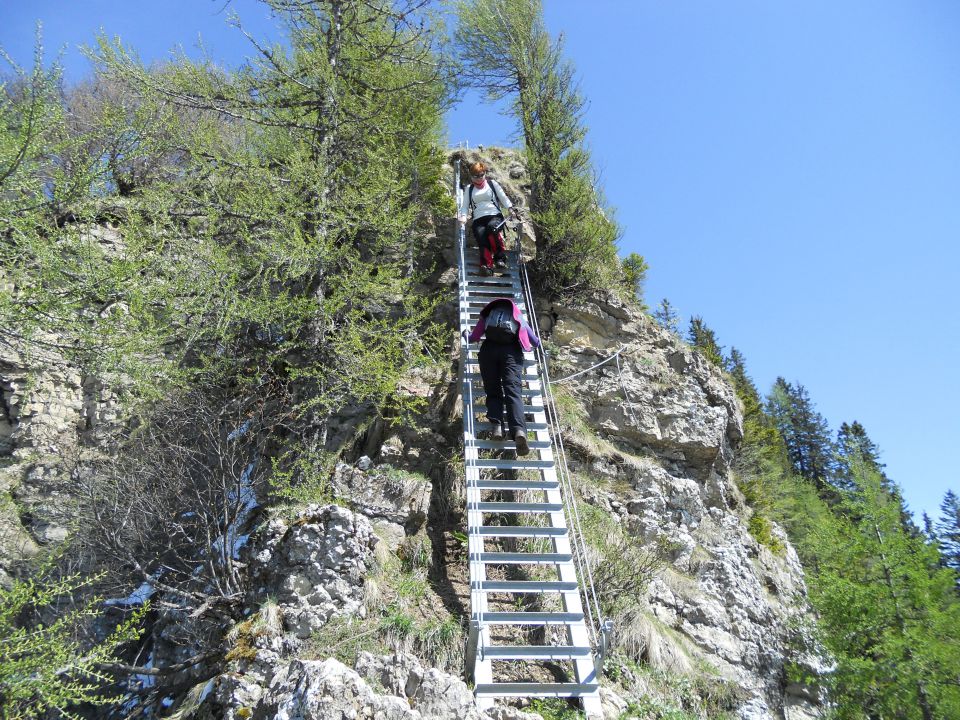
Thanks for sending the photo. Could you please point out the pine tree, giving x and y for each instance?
(805, 432)
(666, 317)
(704, 340)
(888, 614)
(634, 276)
(948, 532)
(853, 442)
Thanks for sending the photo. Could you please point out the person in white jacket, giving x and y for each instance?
(487, 201)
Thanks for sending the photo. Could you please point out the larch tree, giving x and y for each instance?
(853, 442)
(505, 49)
(194, 236)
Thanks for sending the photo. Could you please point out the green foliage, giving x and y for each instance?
(43, 665)
(622, 568)
(666, 317)
(664, 695)
(635, 275)
(506, 50)
(554, 709)
(301, 476)
(704, 340)
(805, 432)
(264, 217)
(884, 604)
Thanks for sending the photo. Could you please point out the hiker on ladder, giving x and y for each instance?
(487, 201)
(508, 336)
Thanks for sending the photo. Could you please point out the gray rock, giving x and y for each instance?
(725, 599)
(385, 493)
(315, 565)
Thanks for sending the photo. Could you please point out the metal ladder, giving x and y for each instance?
(492, 467)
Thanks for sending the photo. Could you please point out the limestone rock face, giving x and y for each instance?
(50, 416)
(387, 687)
(669, 426)
(315, 566)
(665, 398)
(383, 493)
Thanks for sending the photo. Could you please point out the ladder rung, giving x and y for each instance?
(531, 618)
(485, 484)
(526, 408)
(489, 292)
(519, 507)
(477, 376)
(524, 586)
(535, 652)
(526, 363)
(472, 251)
(526, 531)
(538, 690)
(509, 444)
(482, 424)
(506, 276)
(508, 291)
(524, 392)
(505, 558)
(496, 464)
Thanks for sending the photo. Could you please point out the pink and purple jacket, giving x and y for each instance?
(527, 337)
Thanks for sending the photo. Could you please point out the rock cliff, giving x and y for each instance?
(355, 603)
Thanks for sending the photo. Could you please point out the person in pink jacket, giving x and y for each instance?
(507, 336)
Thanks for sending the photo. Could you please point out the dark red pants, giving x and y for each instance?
(490, 243)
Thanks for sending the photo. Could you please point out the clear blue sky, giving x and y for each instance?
(790, 170)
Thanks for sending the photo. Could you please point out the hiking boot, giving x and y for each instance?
(501, 263)
(486, 270)
(496, 430)
(520, 438)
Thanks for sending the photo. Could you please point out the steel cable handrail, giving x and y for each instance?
(592, 605)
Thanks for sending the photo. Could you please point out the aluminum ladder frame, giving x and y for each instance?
(475, 291)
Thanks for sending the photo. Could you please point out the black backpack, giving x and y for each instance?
(501, 327)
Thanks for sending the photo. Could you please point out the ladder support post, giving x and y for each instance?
(473, 639)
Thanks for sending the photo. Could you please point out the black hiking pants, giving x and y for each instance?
(490, 243)
(501, 367)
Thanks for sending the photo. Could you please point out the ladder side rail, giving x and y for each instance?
(595, 623)
(471, 475)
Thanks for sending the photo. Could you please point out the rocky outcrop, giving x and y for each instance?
(314, 567)
(50, 414)
(653, 448)
(380, 687)
(668, 426)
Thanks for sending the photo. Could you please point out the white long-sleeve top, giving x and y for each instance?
(483, 204)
